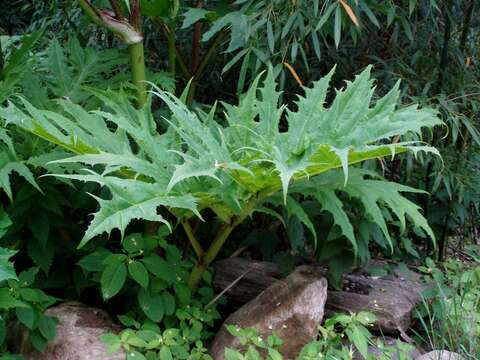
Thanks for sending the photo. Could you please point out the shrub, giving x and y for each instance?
(233, 170)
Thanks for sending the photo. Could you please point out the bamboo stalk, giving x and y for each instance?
(172, 49)
(444, 51)
(466, 24)
(201, 67)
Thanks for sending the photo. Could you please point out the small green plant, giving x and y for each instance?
(20, 300)
(150, 343)
(167, 321)
(450, 313)
(251, 343)
(334, 335)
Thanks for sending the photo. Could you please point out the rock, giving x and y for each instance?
(440, 355)
(391, 298)
(78, 335)
(292, 308)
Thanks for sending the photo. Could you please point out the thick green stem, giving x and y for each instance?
(137, 64)
(197, 272)
(222, 235)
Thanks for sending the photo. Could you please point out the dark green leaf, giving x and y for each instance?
(169, 303)
(94, 261)
(27, 316)
(7, 300)
(47, 326)
(159, 267)
(27, 277)
(183, 293)
(133, 243)
(135, 355)
(358, 339)
(138, 272)
(151, 305)
(165, 353)
(38, 341)
(113, 278)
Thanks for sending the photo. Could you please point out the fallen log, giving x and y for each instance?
(391, 298)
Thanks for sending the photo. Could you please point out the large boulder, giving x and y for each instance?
(78, 335)
(440, 355)
(292, 308)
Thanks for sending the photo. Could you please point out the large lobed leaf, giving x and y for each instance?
(375, 195)
(320, 138)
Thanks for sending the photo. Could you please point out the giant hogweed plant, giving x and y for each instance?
(237, 168)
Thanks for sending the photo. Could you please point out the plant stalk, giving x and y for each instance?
(197, 35)
(191, 237)
(222, 235)
(444, 50)
(466, 24)
(443, 239)
(205, 260)
(201, 67)
(137, 65)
